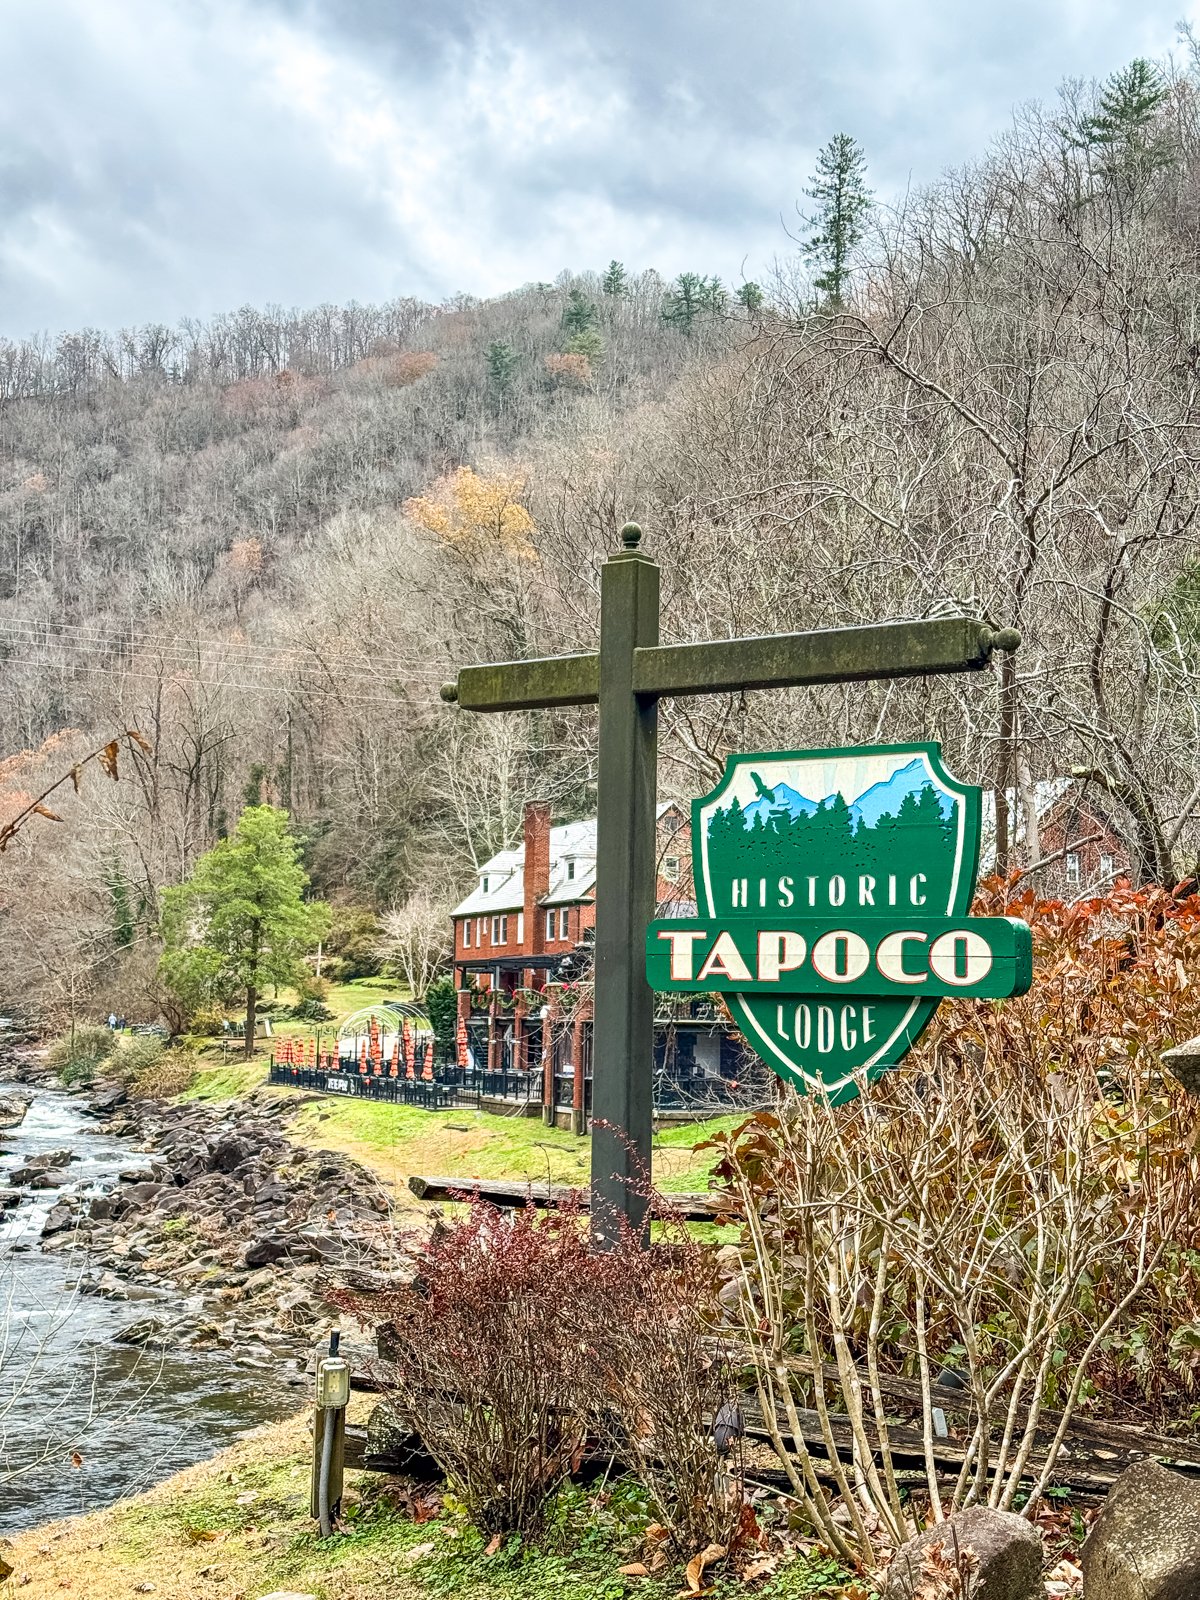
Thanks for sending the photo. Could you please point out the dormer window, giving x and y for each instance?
(483, 883)
(570, 870)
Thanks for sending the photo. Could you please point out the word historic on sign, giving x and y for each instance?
(833, 890)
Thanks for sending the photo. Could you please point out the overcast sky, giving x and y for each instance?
(169, 158)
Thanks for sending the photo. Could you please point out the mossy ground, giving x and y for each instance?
(237, 1527)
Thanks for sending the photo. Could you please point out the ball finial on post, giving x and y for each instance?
(631, 536)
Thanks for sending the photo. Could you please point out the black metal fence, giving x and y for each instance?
(433, 1096)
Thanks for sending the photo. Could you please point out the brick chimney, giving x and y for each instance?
(537, 872)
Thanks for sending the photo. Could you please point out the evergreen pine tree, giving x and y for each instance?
(750, 297)
(579, 313)
(685, 300)
(502, 362)
(1122, 132)
(615, 282)
(241, 919)
(843, 205)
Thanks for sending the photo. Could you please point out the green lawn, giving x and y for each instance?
(396, 1141)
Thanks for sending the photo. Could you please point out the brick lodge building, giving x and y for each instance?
(523, 953)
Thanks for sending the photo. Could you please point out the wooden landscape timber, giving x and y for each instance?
(1095, 1455)
(690, 1207)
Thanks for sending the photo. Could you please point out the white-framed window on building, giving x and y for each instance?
(466, 933)
(1074, 869)
(570, 870)
(551, 926)
(481, 930)
(520, 927)
(564, 924)
(1108, 867)
(499, 930)
(670, 869)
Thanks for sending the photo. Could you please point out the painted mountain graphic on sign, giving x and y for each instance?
(886, 798)
(880, 800)
(785, 800)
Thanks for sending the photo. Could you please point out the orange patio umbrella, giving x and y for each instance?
(410, 1047)
(460, 1039)
(427, 1072)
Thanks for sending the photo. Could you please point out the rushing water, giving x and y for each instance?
(68, 1393)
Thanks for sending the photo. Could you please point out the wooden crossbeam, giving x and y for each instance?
(826, 655)
(721, 666)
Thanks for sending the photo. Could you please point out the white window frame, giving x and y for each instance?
(466, 933)
(564, 923)
(671, 867)
(500, 929)
(1074, 869)
(570, 870)
(1108, 866)
(551, 925)
(520, 927)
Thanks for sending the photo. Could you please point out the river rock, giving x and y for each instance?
(152, 1172)
(48, 1178)
(62, 1216)
(151, 1333)
(267, 1249)
(9, 1198)
(1005, 1556)
(141, 1194)
(107, 1099)
(12, 1109)
(1145, 1544)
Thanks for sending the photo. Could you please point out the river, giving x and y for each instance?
(84, 1420)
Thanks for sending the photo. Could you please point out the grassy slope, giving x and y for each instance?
(396, 1141)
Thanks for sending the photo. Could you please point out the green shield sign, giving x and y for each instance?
(833, 889)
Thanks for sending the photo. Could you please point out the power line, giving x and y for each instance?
(260, 688)
(101, 643)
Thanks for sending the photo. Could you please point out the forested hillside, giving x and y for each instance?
(265, 541)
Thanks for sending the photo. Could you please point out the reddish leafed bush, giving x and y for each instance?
(514, 1349)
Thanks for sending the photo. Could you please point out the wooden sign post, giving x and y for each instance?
(627, 678)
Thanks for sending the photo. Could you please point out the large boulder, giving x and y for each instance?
(268, 1249)
(60, 1218)
(1145, 1544)
(1002, 1553)
(107, 1099)
(12, 1109)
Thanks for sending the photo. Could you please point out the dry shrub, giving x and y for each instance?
(484, 1363)
(653, 1379)
(513, 1345)
(572, 366)
(161, 1073)
(398, 368)
(1007, 1204)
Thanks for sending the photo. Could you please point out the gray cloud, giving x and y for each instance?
(159, 161)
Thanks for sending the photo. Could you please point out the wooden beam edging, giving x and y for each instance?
(690, 1207)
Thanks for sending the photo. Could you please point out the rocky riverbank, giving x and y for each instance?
(219, 1208)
